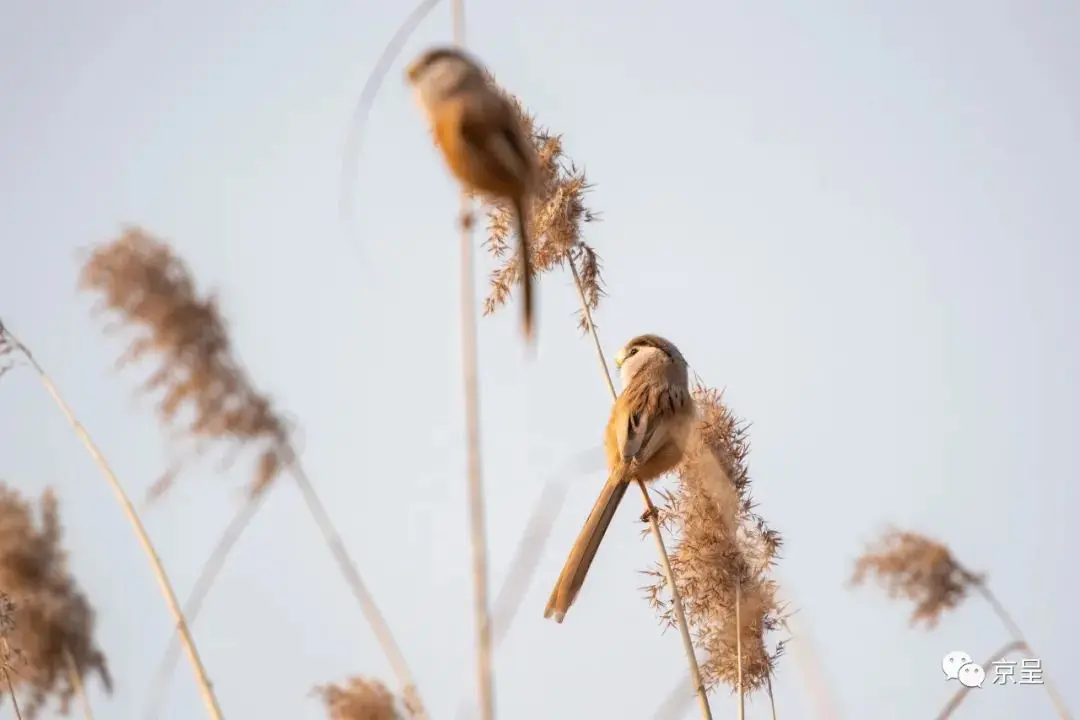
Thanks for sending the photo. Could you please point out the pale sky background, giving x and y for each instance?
(858, 217)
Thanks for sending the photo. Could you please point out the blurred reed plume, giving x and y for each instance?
(916, 568)
(141, 281)
(46, 622)
(723, 552)
(359, 698)
(557, 214)
(913, 567)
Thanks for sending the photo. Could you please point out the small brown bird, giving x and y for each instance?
(645, 438)
(481, 140)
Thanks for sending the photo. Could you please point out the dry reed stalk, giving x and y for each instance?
(811, 668)
(772, 700)
(523, 564)
(7, 655)
(723, 554)
(738, 651)
(152, 291)
(77, 685)
(46, 622)
(914, 567)
(962, 691)
(359, 698)
(203, 584)
(482, 613)
(350, 155)
(5, 667)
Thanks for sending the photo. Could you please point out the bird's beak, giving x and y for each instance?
(412, 71)
(620, 358)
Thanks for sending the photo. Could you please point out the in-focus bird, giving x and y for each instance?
(645, 438)
(481, 140)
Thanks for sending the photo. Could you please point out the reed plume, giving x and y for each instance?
(915, 568)
(360, 698)
(924, 571)
(150, 290)
(557, 217)
(723, 552)
(46, 621)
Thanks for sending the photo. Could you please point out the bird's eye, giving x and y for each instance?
(633, 351)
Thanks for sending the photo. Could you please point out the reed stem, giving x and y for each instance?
(1017, 635)
(207, 577)
(363, 596)
(962, 691)
(77, 684)
(482, 613)
(202, 679)
(738, 650)
(772, 700)
(484, 671)
(5, 651)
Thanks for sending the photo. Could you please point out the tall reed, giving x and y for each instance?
(485, 672)
(151, 292)
(924, 571)
(10, 344)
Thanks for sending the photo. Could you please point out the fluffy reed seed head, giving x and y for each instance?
(914, 567)
(359, 698)
(142, 282)
(721, 549)
(557, 217)
(44, 616)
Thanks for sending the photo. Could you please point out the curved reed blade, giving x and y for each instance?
(350, 155)
(203, 584)
(530, 549)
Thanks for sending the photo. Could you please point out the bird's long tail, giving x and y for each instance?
(588, 542)
(528, 309)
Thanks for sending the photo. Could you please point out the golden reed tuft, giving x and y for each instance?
(359, 698)
(911, 566)
(557, 215)
(141, 280)
(722, 549)
(46, 619)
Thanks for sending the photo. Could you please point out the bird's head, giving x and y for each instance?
(440, 71)
(642, 351)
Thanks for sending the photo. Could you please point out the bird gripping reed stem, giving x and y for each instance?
(651, 513)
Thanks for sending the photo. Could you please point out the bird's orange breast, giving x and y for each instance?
(464, 134)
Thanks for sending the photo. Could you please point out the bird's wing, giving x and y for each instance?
(492, 132)
(641, 434)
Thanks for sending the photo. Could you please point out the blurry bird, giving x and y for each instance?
(645, 438)
(481, 139)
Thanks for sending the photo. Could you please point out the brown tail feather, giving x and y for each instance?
(582, 554)
(525, 258)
